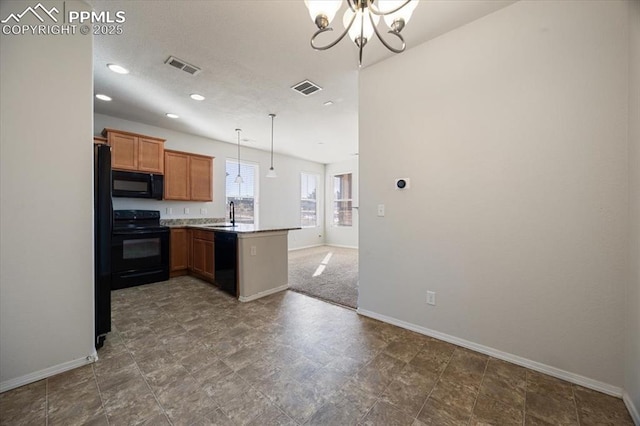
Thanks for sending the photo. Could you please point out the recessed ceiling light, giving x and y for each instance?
(117, 68)
(197, 97)
(171, 115)
(328, 103)
(103, 97)
(320, 143)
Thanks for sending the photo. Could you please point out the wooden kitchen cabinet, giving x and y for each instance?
(202, 254)
(201, 178)
(179, 262)
(176, 178)
(150, 155)
(188, 177)
(134, 152)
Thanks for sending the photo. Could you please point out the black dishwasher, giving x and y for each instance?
(226, 261)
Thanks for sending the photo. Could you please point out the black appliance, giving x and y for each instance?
(225, 250)
(137, 185)
(103, 219)
(139, 248)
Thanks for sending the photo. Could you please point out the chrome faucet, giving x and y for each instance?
(232, 213)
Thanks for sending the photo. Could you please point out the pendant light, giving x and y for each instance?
(272, 173)
(238, 178)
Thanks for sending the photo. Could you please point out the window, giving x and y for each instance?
(308, 200)
(244, 195)
(342, 200)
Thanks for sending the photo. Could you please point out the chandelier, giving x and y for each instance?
(361, 20)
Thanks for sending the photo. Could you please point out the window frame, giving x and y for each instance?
(233, 162)
(316, 177)
(338, 200)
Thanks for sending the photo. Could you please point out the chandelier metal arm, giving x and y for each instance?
(330, 45)
(361, 7)
(383, 41)
(375, 10)
(352, 5)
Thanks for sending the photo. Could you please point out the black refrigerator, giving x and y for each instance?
(103, 221)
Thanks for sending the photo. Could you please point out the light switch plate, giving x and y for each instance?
(380, 210)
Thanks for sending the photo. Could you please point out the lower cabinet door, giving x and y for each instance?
(179, 249)
(203, 258)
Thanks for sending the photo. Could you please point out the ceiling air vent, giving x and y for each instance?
(306, 87)
(182, 65)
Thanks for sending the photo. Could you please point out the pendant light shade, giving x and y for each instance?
(238, 178)
(272, 173)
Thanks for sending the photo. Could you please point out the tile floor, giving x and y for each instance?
(184, 353)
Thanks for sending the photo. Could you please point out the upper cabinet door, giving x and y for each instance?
(124, 151)
(201, 178)
(187, 176)
(150, 155)
(176, 177)
(131, 151)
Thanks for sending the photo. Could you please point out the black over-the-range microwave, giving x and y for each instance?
(137, 185)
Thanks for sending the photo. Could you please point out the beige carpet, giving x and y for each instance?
(327, 273)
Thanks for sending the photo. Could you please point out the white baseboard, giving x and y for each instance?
(263, 293)
(505, 356)
(633, 410)
(306, 247)
(47, 372)
(323, 245)
(342, 246)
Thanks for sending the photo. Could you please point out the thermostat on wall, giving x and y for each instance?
(402, 183)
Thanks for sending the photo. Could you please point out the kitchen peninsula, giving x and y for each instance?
(246, 261)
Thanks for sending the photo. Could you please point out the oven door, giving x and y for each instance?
(139, 257)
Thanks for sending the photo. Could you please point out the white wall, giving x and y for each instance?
(345, 236)
(279, 197)
(46, 208)
(513, 131)
(632, 352)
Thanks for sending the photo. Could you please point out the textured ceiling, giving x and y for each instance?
(251, 52)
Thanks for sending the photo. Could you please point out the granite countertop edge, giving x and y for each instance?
(239, 229)
(218, 225)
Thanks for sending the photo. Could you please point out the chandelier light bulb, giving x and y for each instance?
(362, 18)
(396, 21)
(322, 12)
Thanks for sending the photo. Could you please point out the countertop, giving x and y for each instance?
(241, 228)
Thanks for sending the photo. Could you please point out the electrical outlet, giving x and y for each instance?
(380, 210)
(253, 250)
(186, 210)
(431, 298)
(203, 211)
(169, 210)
